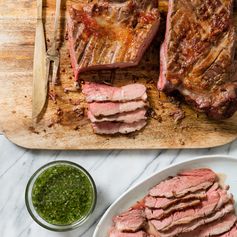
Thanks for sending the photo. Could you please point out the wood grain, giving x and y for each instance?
(17, 31)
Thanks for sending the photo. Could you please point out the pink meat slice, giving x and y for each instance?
(196, 172)
(160, 213)
(215, 200)
(128, 117)
(231, 233)
(111, 108)
(185, 182)
(130, 221)
(163, 203)
(114, 128)
(186, 228)
(215, 186)
(102, 93)
(214, 228)
(116, 233)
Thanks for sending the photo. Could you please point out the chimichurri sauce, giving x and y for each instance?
(62, 195)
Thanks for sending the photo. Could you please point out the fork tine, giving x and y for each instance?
(55, 70)
(53, 52)
(48, 68)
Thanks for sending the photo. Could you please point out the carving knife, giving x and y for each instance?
(40, 75)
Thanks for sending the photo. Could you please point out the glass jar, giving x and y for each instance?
(40, 176)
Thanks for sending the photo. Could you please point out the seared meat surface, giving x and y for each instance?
(110, 34)
(197, 56)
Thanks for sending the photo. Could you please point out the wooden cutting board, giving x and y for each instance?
(62, 127)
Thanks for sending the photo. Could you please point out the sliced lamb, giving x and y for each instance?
(130, 221)
(214, 228)
(231, 233)
(114, 128)
(160, 213)
(196, 172)
(128, 117)
(185, 228)
(111, 108)
(215, 186)
(194, 180)
(116, 233)
(106, 114)
(110, 34)
(215, 200)
(102, 93)
(163, 203)
(197, 56)
(206, 212)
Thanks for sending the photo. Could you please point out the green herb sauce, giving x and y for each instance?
(62, 195)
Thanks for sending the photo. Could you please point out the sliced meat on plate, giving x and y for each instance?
(186, 228)
(116, 233)
(164, 203)
(184, 183)
(161, 213)
(203, 212)
(214, 228)
(215, 186)
(130, 221)
(215, 200)
(231, 233)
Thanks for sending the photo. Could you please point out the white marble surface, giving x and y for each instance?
(113, 171)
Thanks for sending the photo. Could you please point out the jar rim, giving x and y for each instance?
(30, 207)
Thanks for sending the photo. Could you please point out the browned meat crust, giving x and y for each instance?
(197, 56)
(110, 34)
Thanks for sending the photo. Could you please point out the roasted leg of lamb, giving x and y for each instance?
(110, 34)
(197, 56)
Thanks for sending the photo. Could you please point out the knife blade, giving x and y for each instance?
(40, 75)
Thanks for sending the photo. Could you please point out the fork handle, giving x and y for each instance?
(56, 22)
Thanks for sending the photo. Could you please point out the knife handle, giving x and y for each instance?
(39, 9)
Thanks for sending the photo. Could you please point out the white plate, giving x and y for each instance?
(220, 164)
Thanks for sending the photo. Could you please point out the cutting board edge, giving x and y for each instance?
(183, 147)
